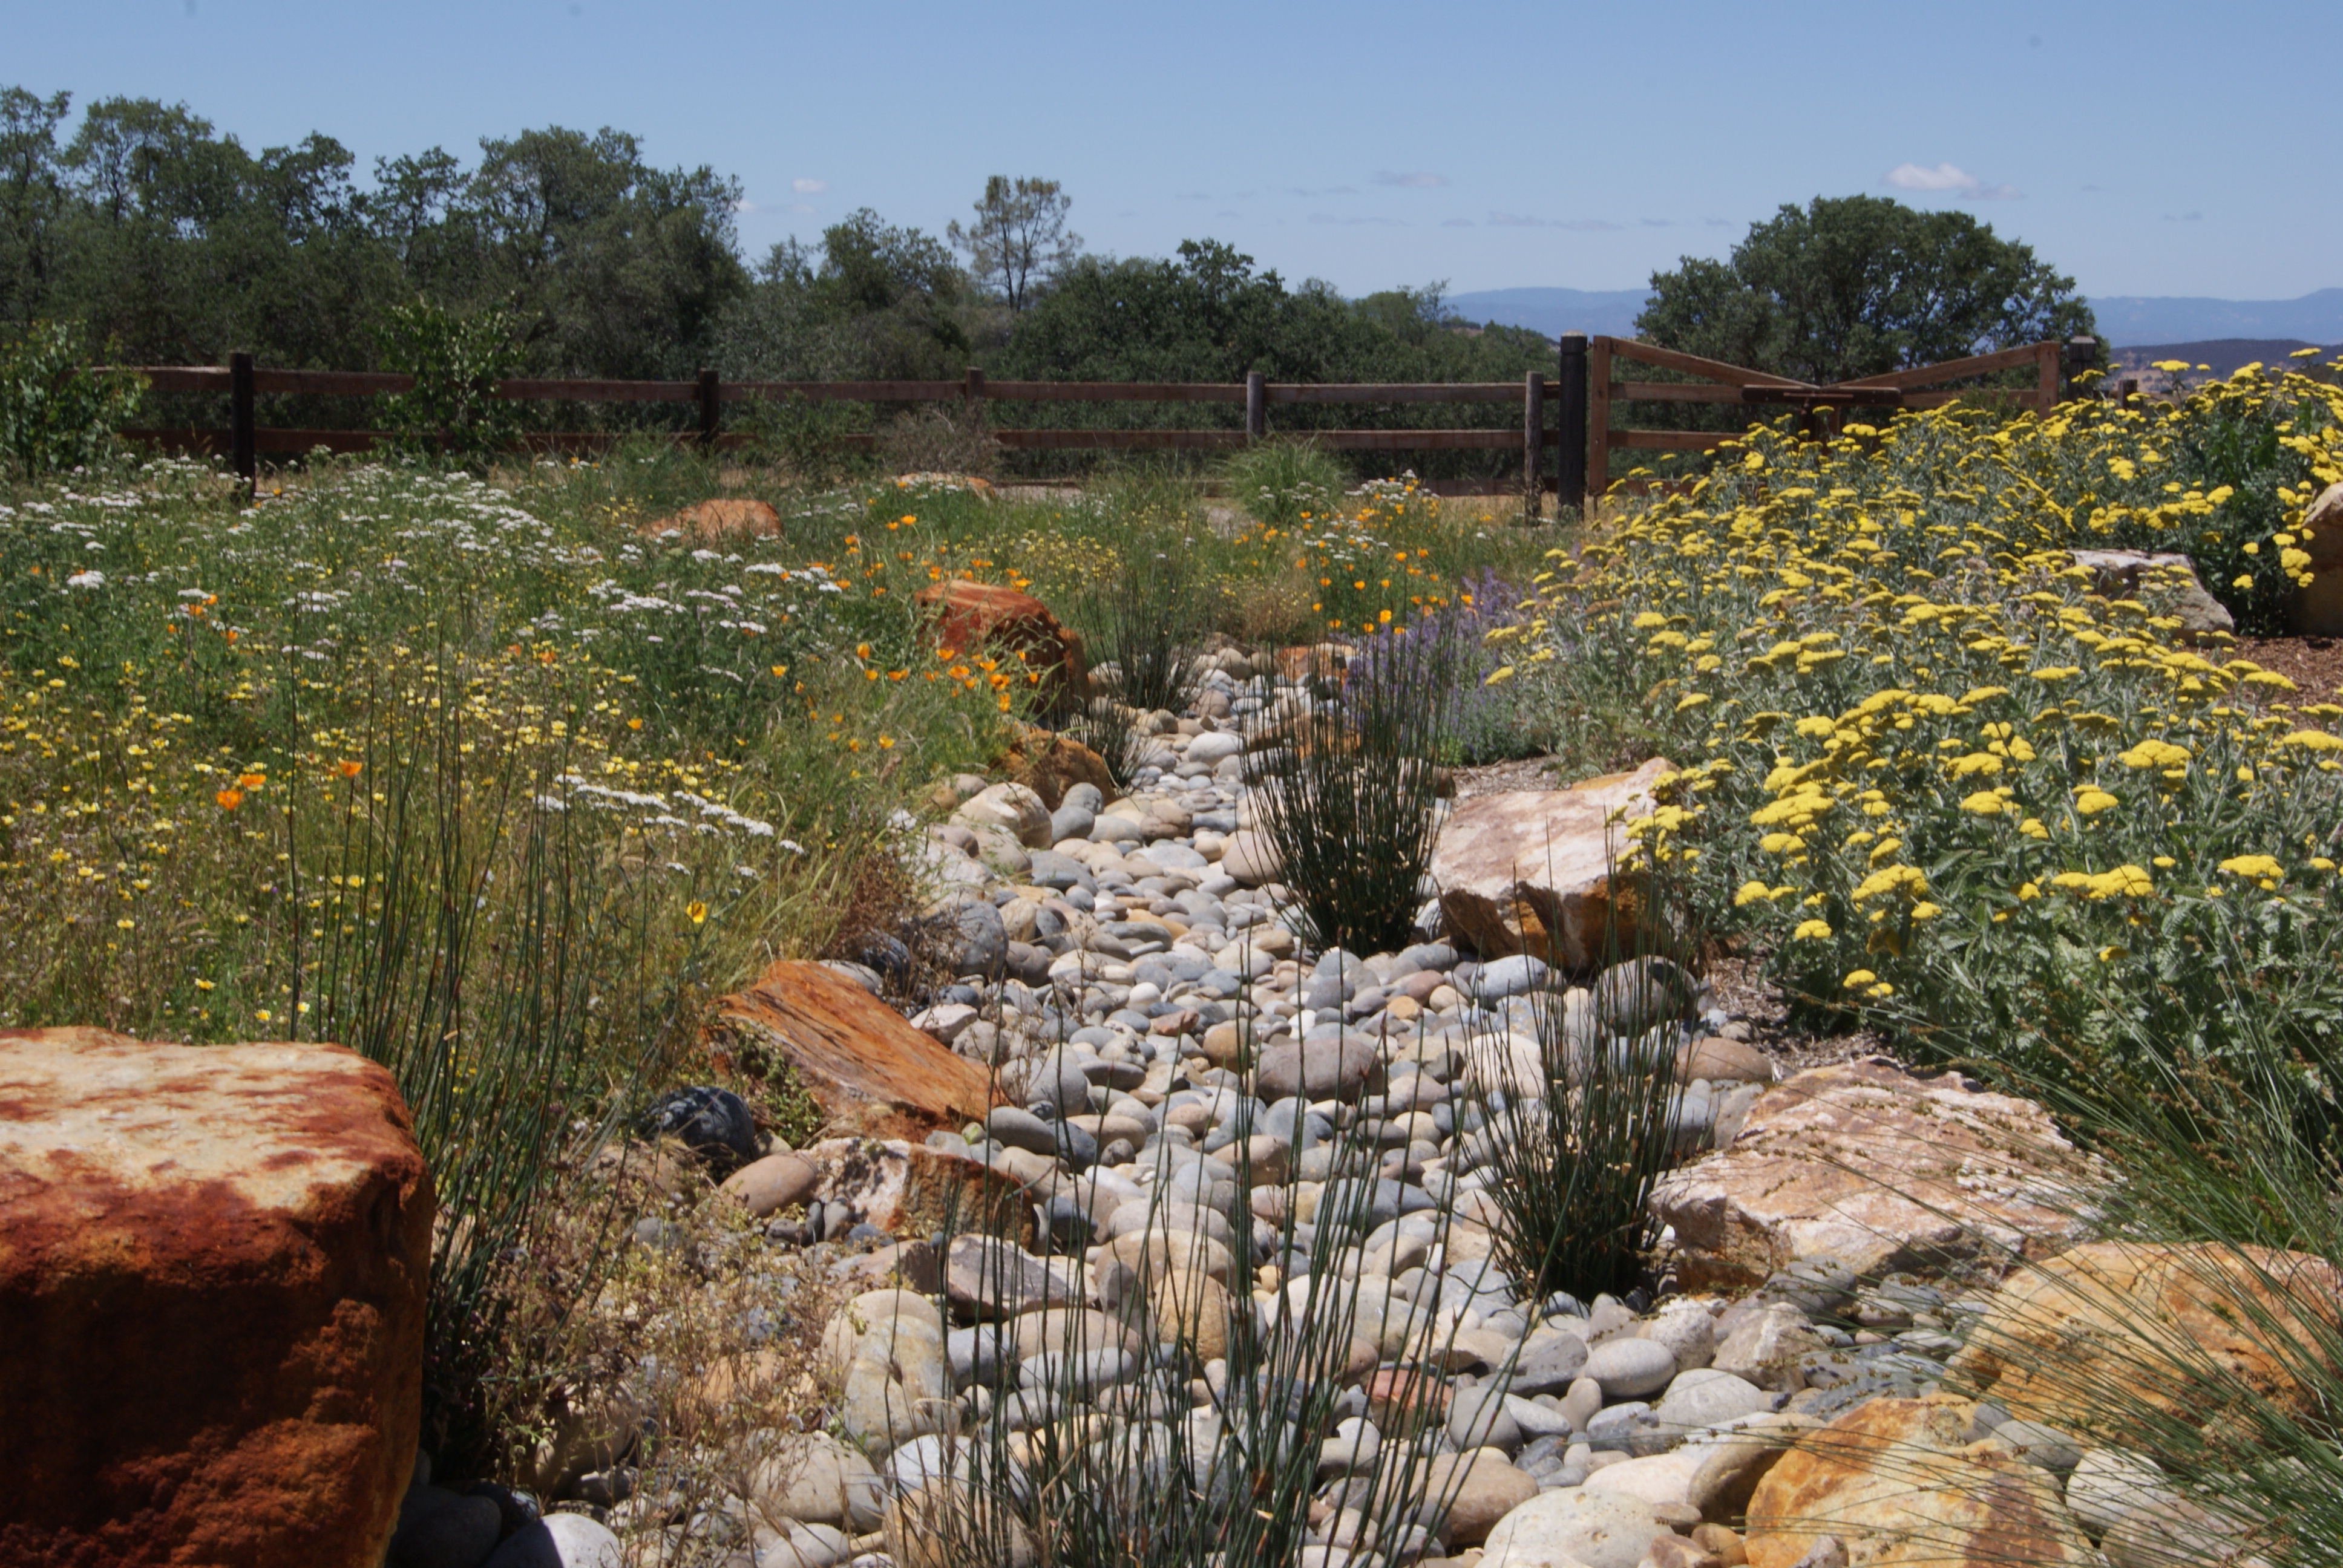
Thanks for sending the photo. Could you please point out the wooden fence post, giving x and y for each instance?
(1534, 447)
(1598, 421)
(242, 451)
(1570, 469)
(2082, 353)
(711, 410)
(1256, 406)
(2046, 377)
(971, 397)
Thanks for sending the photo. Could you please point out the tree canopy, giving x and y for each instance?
(1860, 285)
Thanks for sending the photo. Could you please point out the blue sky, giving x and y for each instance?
(2150, 147)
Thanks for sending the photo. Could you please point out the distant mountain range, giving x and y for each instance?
(2126, 320)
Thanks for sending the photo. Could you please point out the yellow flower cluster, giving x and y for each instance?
(1904, 695)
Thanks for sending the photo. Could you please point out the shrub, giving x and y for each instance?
(1283, 482)
(1347, 796)
(804, 437)
(56, 410)
(453, 414)
(1581, 1129)
(1142, 620)
(1931, 769)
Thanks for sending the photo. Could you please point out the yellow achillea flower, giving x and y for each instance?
(2261, 866)
(2091, 802)
(1812, 930)
(1984, 803)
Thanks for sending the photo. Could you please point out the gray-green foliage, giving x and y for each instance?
(1278, 482)
(1142, 618)
(56, 410)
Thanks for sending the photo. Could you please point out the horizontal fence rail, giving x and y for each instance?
(1582, 435)
(1820, 405)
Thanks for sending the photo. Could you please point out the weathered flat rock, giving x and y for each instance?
(1530, 870)
(213, 1263)
(1897, 1481)
(871, 1073)
(2173, 1326)
(1865, 1164)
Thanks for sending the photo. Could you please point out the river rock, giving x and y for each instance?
(1333, 1070)
(2316, 610)
(559, 1541)
(815, 1479)
(1893, 1474)
(1481, 1486)
(1630, 1368)
(1248, 856)
(1866, 1165)
(767, 1186)
(1530, 870)
(1767, 1346)
(1011, 808)
(871, 1073)
(213, 1268)
(1571, 1526)
(887, 1350)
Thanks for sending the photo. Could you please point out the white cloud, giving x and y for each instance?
(1943, 178)
(808, 186)
(1418, 180)
(1947, 179)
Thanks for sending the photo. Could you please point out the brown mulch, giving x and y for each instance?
(2313, 663)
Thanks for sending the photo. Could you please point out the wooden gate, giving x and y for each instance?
(1822, 405)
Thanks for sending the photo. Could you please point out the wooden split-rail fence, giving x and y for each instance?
(1580, 435)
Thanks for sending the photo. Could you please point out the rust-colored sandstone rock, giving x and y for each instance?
(213, 1263)
(1870, 1166)
(1898, 1482)
(1529, 871)
(873, 1075)
(727, 516)
(972, 616)
(2187, 1331)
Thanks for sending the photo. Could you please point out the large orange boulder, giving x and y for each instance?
(2121, 1330)
(213, 1265)
(1050, 764)
(1898, 1481)
(714, 521)
(871, 1074)
(969, 616)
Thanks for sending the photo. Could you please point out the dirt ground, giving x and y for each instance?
(2313, 663)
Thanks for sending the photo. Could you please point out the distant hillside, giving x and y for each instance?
(2124, 319)
(2224, 355)
(1554, 311)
